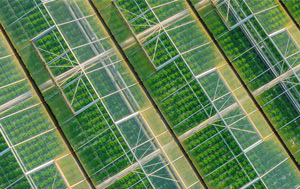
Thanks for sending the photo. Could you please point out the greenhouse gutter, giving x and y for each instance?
(48, 109)
(243, 84)
(148, 95)
(289, 13)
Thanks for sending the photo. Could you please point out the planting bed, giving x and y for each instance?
(25, 19)
(10, 169)
(130, 180)
(219, 149)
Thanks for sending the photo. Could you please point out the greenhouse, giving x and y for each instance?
(150, 94)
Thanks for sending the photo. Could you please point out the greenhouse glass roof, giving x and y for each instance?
(149, 94)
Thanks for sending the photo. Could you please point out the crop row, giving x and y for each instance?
(219, 157)
(20, 127)
(10, 169)
(26, 124)
(184, 103)
(32, 20)
(10, 73)
(235, 44)
(55, 52)
(3, 144)
(18, 8)
(131, 180)
(53, 47)
(96, 144)
(40, 150)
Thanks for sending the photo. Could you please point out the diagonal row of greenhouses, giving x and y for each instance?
(150, 94)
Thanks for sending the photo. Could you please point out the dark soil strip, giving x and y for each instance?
(149, 96)
(49, 111)
(244, 85)
(290, 14)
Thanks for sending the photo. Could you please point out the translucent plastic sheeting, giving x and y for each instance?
(11, 173)
(66, 166)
